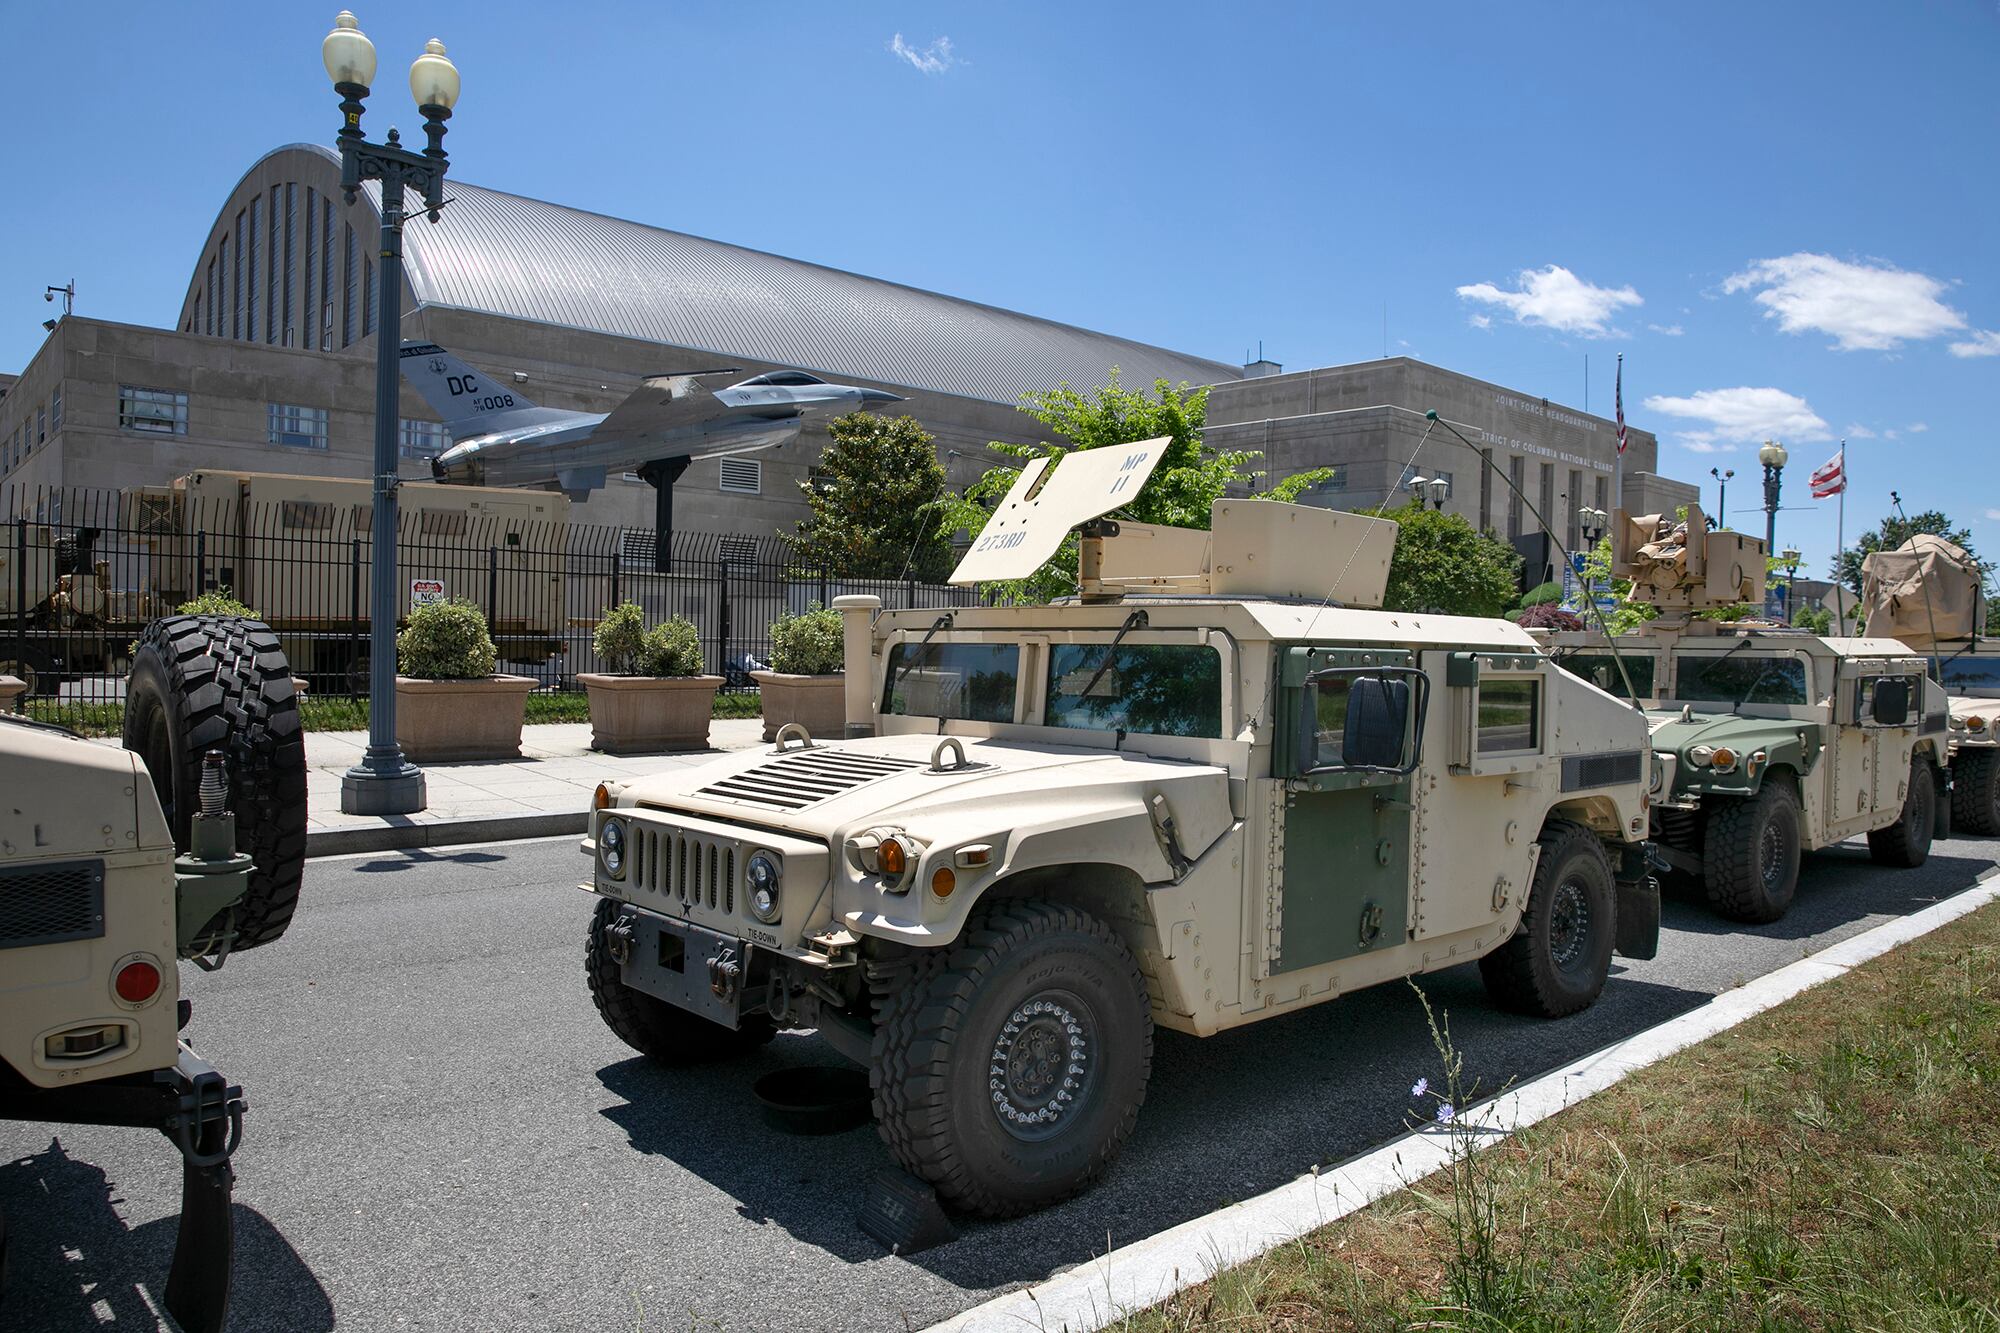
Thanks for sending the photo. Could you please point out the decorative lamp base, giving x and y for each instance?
(373, 791)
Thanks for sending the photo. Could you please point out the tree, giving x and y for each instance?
(874, 500)
(1444, 564)
(1893, 532)
(1190, 476)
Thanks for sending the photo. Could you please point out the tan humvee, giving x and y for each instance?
(96, 908)
(1930, 594)
(1215, 788)
(1768, 741)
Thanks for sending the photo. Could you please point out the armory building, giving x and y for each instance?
(269, 364)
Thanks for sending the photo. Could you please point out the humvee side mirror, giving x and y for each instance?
(1365, 719)
(1891, 704)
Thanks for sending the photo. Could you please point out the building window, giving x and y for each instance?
(298, 427)
(308, 271)
(743, 476)
(367, 296)
(423, 439)
(290, 336)
(271, 257)
(250, 270)
(1517, 473)
(1546, 500)
(326, 274)
(209, 327)
(1603, 484)
(55, 408)
(154, 411)
(351, 307)
(41, 426)
(1573, 502)
(235, 268)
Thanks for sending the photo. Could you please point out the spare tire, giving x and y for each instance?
(202, 683)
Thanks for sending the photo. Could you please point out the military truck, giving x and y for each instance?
(116, 865)
(1930, 594)
(1217, 786)
(1768, 741)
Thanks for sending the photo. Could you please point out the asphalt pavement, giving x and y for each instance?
(443, 1135)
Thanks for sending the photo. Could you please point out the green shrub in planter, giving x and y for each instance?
(808, 644)
(673, 648)
(1542, 594)
(446, 641)
(620, 640)
(220, 602)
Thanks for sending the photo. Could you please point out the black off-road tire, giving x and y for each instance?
(655, 1029)
(1907, 842)
(202, 683)
(1751, 854)
(1557, 962)
(1009, 1072)
(1975, 790)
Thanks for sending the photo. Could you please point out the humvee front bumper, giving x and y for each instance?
(690, 967)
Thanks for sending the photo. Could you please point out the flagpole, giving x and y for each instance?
(1840, 545)
(1618, 460)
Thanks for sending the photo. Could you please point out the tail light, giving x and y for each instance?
(136, 981)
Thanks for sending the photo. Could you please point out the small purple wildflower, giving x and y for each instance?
(1420, 1087)
(1445, 1112)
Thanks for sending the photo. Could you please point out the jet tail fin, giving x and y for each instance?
(469, 401)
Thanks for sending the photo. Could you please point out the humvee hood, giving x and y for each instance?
(886, 779)
(1717, 729)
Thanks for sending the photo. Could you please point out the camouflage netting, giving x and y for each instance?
(1895, 584)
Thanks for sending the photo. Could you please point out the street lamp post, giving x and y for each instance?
(1592, 523)
(1721, 494)
(1429, 491)
(1790, 555)
(1773, 457)
(385, 782)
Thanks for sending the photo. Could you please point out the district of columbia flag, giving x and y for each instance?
(1831, 479)
(1618, 395)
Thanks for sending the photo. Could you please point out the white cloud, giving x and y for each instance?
(1866, 307)
(933, 59)
(1917, 427)
(1983, 342)
(1729, 417)
(1857, 431)
(1556, 298)
(1993, 514)
(1481, 321)
(1667, 330)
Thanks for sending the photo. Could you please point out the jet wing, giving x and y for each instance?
(660, 404)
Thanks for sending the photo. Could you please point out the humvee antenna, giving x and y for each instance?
(1631, 695)
(1937, 667)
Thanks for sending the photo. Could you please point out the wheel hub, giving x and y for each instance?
(1771, 854)
(1569, 924)
(1042, 1065)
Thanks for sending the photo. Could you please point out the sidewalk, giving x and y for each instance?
(546, 791)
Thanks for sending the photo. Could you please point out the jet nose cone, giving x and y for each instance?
(880, 396)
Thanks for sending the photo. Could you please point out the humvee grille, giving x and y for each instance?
(47, 904)
(806, 777)
(692, 870)
(1602, 770)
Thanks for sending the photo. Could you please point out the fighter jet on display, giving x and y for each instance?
(499, 438)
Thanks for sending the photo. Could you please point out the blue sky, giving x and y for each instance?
(1784, 215)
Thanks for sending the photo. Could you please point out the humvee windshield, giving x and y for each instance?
(970, 682)
(1155, 689)
(1973, 675)
(1726, 679)
(1601, 670)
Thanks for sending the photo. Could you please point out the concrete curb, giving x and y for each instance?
(1095, 1294)
(395, 835)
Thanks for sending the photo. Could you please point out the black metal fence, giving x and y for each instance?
(83, 571)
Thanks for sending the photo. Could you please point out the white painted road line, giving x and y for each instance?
(1095, 1294)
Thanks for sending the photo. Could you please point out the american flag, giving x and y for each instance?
(1619, 395)
(1831, 479)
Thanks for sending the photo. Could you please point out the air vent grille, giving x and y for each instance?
(806, 777)
(47, 904)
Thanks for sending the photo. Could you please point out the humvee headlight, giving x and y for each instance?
(893, 857)
(1723, 760)
(763, 875)
(1959, 724)
(1975, 723)
(611, 847)
(1700, 754)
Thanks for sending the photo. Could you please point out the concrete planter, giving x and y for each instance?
(817, 703)
(11, 689)
(445, 721)
(648, 714)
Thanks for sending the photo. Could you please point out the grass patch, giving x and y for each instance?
(1831, 1164)
(335, 713)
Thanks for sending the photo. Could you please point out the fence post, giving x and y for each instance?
(353, 611)
(723, 628)
(493, 587)
(21, 599)
(200, 561)
(614, 574)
